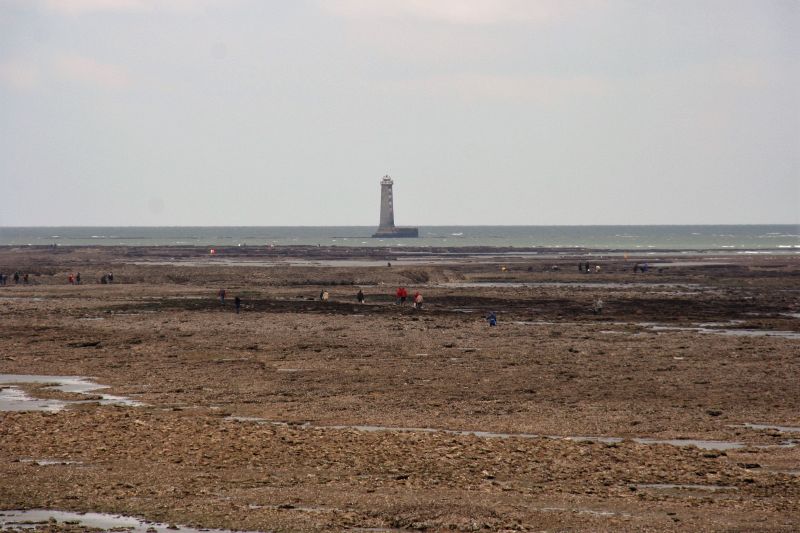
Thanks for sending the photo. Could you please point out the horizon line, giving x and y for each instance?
(419, 225)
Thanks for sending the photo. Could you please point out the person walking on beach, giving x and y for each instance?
(221, 295)
(71, 279)
(25, 278)
(492, 318)
(237, 302)
(78, 278)
(598, 307)
(323, 296)
(417, 300)
(16, 277)
(360, 296)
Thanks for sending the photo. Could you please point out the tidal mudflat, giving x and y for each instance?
(302, 415)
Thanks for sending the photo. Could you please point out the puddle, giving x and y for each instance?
(675, 486)
(724, 331)
(593, 512)
(753, 333)
(50, 462)
(702, 444)
(30, 518)
(781, 429)
(720, 324)
(14, 399)
(577, 284)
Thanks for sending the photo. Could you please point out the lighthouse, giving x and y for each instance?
(386, 227)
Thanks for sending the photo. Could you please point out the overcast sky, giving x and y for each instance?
(258, 112)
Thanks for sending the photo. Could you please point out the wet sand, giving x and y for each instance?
(300, 415)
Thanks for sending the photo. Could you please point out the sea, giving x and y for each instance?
(783, 238)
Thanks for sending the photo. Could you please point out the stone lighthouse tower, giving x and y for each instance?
(387, 204)
(386, 228)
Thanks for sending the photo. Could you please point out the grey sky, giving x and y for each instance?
(258, 112)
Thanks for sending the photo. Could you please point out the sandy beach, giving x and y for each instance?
(674, 408)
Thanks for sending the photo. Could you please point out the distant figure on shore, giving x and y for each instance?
(2, 279)
(71, 279)
(25, 278)
(360, 296)
(580, 267)
(401, 294)
(598, 307)
(16, 277)
(324, 296)
(221, 295)
(417, 300)
(110, 277)
(78, 278)
(388, 264)
(492, 318)
(237, 302)
(597, 268)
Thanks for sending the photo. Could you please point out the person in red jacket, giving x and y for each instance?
(401, 294)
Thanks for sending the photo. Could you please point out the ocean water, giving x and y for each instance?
(742, 239)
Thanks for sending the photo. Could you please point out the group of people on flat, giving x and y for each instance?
(75, 279)
(17, 277)
(586, 267)
(402, 295)
(72, 279)
(237, 302)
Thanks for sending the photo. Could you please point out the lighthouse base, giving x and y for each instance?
(395, 232)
